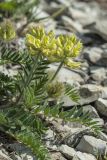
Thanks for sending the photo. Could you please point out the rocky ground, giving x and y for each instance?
(72, 141)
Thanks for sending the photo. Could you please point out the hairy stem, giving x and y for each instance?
(57, 71)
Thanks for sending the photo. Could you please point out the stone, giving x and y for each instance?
(14, 156)
(83, 74)
(96, 56)
(92, 145)
(103, 136)
(101, 106)
(70, 153)
(83, 156)
(57, 156)
(100, 27)
(72, 139)
(4, 156)
(99, 121)
(51, 146)
(60, 31)
(97, 73)
(104, 92)
(21, 43)
(83, 13)
(9, 72)
(93, 54)
(67, 151)
(24, 152)
(89, 93)
(105, 127)
(68, 103)
(104, 46)
(49, 135)
(85, 67)
(91, 110)
(28, 157)
(74, 26)
(104, 82)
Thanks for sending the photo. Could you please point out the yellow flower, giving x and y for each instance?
(37, 32)
(63, 48)
(7, 31)
(70, 45)
(72, 64)
(38, 40)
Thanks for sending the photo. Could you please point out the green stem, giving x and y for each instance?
(57, 71)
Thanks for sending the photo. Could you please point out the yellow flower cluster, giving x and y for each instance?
(7, 31)
(63, 48)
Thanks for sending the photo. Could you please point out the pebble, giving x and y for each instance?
(92, 145)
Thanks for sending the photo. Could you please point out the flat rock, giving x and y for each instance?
(67, 151)
(101, 106)
(91, 110)
(75, 27)
(103, 136)
(97, 73)
(88, 93)
(4, 156)
(57, 156)
(100, 28)
(24, 152)
(84, 156)
(83, 13)
(104, 92)
(93, 54)
(96, 56)
(104, 82)
(92, 145)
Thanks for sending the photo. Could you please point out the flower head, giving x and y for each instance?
(55, 89)
(63, 48)
(38, 40)
(7, 31)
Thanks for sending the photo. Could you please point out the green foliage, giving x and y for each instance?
(25, 8)
(34, 142)
(7, 88)
(13, 56)
(72, 92)
(2, 118)
(26, 127)
(8, 6)
(16, 6)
